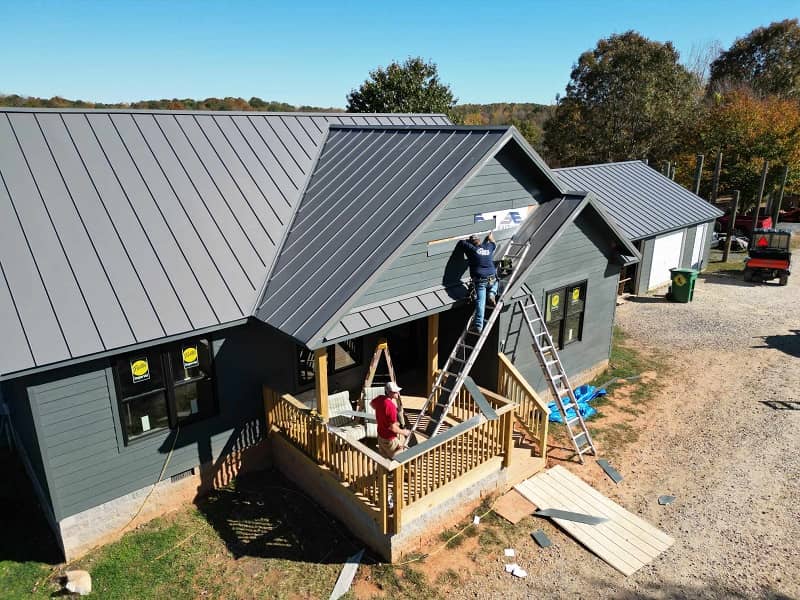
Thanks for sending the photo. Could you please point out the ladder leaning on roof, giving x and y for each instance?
(557, 378)
(450, 379)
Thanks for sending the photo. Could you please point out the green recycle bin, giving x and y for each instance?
(682, 288)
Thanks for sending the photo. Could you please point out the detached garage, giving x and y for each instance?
(669, 225)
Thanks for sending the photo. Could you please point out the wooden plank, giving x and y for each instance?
(665, 540)
(613, 538)
(590, 536)
(626, 542)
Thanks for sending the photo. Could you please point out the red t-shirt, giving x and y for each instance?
(385, 415)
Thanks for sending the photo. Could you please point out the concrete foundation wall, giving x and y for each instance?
(110, 520)
(440, 509)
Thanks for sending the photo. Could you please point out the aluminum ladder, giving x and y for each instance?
(461, 360)
(557, 378)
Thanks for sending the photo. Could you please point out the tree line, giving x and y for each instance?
(628, 98)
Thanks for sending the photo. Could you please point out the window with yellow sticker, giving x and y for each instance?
(564, 310)
(159, 388)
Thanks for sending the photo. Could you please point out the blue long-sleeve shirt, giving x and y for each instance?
(480, 258)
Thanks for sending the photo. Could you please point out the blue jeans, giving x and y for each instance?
(481, 285)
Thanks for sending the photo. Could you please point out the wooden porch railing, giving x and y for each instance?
(531, 409)
(372, 479)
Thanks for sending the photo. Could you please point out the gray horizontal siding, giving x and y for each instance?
(83, 454)
(581, 253)
(504, 182)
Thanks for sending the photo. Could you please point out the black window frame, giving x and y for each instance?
(304, 362)
(162, 357)
(568, 310)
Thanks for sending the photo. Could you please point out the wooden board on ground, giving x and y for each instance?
(625, 541)
(513, 507)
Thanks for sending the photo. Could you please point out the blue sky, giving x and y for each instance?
(316, 52)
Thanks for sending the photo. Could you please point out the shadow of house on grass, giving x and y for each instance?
(26, 535)
(263, 515)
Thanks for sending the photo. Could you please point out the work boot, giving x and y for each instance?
(491, 301)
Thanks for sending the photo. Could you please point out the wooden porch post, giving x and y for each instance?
(321, 377)
(433, 350)
(508, 438)
(398, 498)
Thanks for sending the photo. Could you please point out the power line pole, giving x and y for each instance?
(698, 173)
(776, 209)
(731, 225)
(764, 172)
(715, 182)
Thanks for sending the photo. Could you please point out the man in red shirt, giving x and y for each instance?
(391, 436)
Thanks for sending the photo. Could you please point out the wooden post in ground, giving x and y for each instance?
(698, 173)
(321, 378)
(715, 181)
(433, 351)
(763, 183)
(731, 224)
(672, 170)
(776, 209)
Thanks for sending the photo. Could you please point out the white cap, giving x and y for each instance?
(391, 387)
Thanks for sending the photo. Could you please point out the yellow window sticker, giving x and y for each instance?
(190, 357)
(140, 370)
(576, 294)
(554, 300)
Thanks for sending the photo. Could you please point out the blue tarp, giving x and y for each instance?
(584, 395)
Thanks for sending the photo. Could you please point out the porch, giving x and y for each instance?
(492, 441)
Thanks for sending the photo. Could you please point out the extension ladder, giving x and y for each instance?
(451, 378)
(557, 377)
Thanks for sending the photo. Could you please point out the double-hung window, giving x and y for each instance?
(162, 387)
(564, 310)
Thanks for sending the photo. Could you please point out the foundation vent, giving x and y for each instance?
(182, 475)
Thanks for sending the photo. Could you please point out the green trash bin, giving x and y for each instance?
(682, 288)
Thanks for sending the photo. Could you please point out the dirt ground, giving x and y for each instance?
(719, 431)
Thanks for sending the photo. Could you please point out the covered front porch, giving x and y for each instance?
(492, 439)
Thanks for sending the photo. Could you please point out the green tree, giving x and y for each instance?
(766, 60)
(411, 87)
(629, 98)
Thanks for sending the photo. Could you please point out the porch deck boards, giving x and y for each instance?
(625, 541)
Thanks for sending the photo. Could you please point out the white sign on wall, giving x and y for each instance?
(506, 219)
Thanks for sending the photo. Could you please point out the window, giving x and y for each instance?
(564, 310)
(162, 387)
(341, 356)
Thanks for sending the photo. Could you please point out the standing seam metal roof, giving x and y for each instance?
(641, 200)
(371, 189)
(121, 227)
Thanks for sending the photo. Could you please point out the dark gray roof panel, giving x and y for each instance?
(120, 227)
(642, 202)
(369, 185)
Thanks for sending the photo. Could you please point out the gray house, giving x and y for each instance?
(158, 270)
(669, 225)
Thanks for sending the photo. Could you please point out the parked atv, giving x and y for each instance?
(769, 256)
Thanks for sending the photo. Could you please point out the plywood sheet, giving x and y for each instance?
(625, 541)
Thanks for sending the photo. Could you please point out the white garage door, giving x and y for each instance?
(697, 251)
(666, 256)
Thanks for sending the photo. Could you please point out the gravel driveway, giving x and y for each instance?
(722, 435)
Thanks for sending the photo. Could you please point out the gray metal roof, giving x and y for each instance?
(542, 229)
(641, 200)
(119, 227)
(370, 191)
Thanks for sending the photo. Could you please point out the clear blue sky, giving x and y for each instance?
(308, 52)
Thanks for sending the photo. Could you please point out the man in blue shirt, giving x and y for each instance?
(484, 275)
